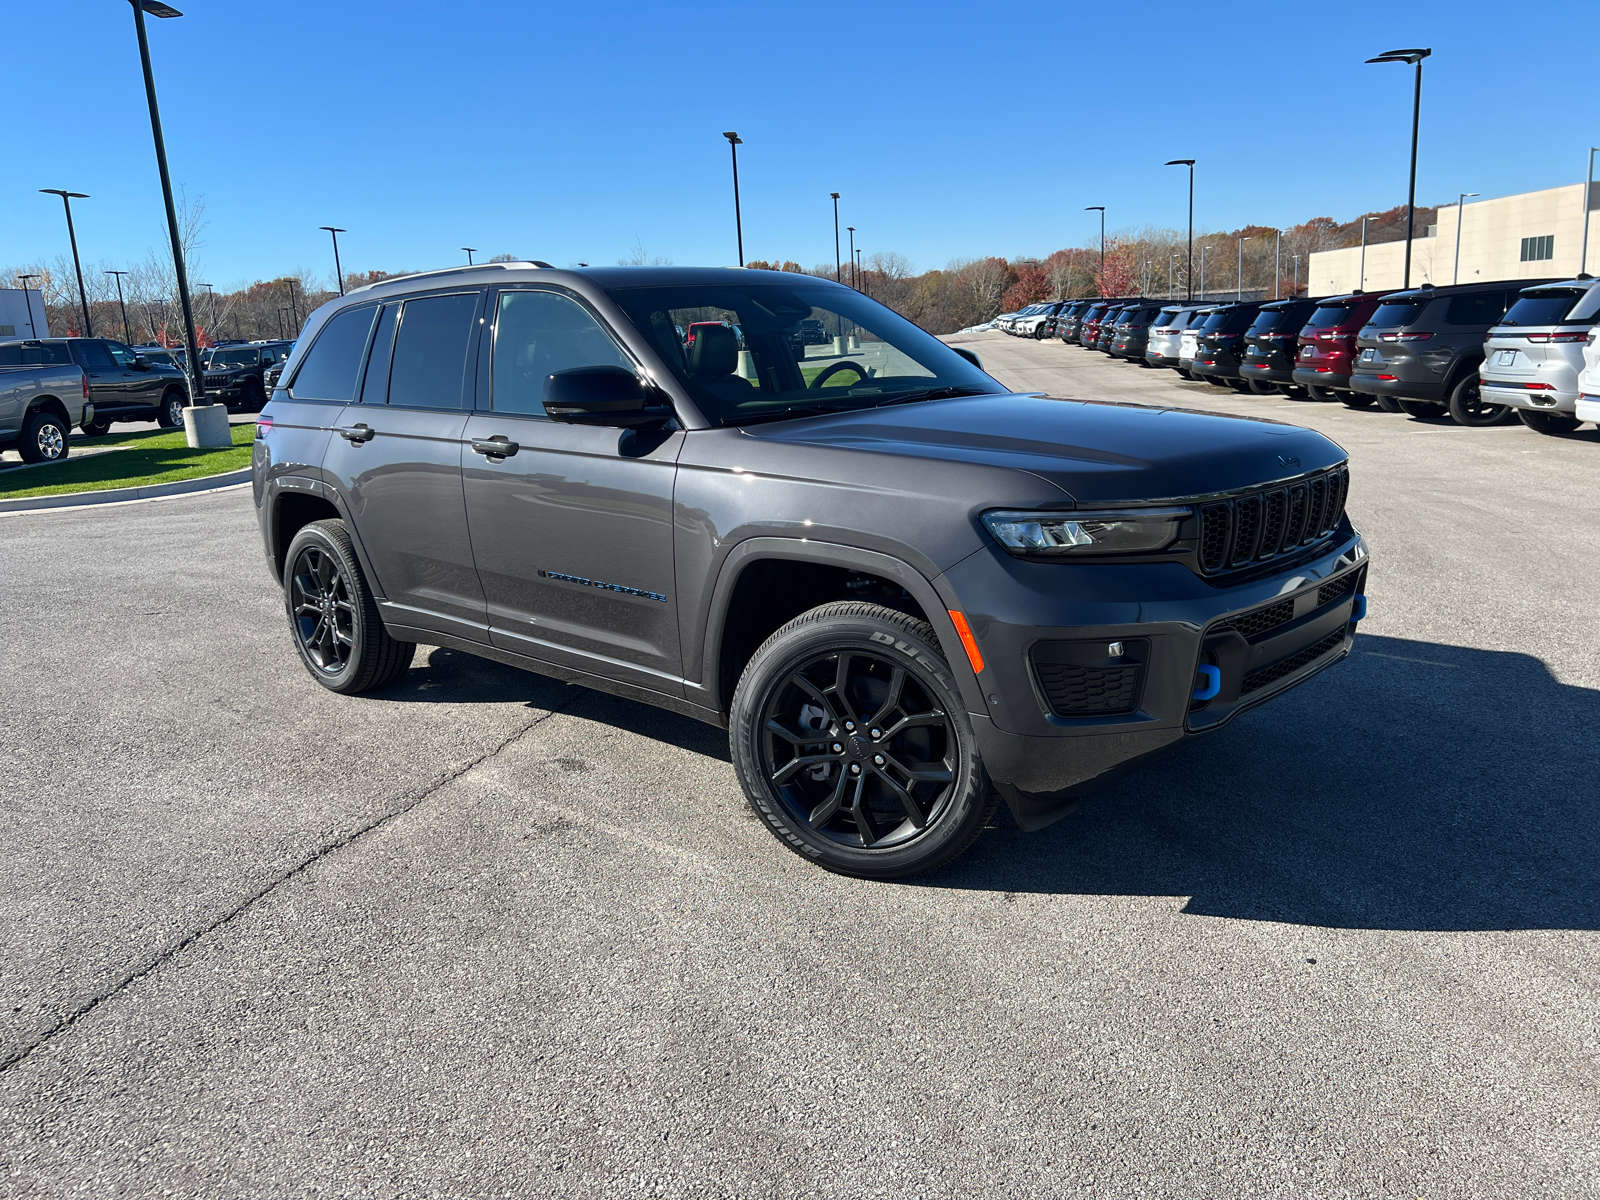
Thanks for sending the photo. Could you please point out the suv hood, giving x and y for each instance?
(1096, 452)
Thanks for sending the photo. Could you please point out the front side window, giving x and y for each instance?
(749, 360)
(329, 371)
(120, 354)
(430, 351)
(537, 334)
(94, 357)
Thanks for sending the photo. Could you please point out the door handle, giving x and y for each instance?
(495, 447)
(358, 433)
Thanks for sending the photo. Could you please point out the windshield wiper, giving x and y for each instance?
(938, 393)
(799, 410)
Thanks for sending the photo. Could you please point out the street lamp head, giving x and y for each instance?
(332, 229)
(1181, 162)
(835, 195)
(1464, 195)
(851, 228)
(1094, 208)
(733, 138)
(1401, 56)
(65, 195)
(157, 9)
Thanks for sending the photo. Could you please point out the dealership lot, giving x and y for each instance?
(488, 934)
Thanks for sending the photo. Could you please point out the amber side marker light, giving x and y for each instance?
(968, 642)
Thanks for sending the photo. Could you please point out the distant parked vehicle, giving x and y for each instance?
(236, 375)
(1534, 356)
(1069, 322)
(43, 394)
(1189, 341)
(1131, 334)
(813, 334)
(1327, 347)
(1219, 345)
(1089, 325)
(1270, 345)
(123, 385)
(1037, 322)
(1107, 330)
(1166, 333)
(1421, 348)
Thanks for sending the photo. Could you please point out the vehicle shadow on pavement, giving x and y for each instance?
(1416, 786)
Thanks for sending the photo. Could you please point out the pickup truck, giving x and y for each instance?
(123, 384)
(43, 395)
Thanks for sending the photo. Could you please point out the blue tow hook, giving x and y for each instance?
(1358, 610)
(1213, 683)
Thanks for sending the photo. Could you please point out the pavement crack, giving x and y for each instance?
(408, 802)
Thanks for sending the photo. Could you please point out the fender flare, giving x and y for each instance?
(934, 603)
(272, 494)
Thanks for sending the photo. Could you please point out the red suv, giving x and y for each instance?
(1328, 344)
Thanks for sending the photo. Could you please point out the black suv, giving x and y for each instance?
(126, 386)
(1219, 345)
(1422, 347)
(1271, 345)
(1068, 320)
(235, 373)
(906, 592)
(1131, 332)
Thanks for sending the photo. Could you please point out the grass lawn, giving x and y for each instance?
(154, 456)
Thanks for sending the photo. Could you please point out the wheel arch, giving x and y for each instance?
(50, 404)
(292, 510)
(765, 582)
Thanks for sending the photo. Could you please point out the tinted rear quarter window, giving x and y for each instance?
(430, 351)
(329, 371)
(1329, 314)
(1267, 320)
(1476, 308)
(1548, 308)
(1392, 314)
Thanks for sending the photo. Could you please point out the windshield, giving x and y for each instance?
(1542, 308)
(871, 355)
(234, 358)
(1392, 314)
(1329, 314)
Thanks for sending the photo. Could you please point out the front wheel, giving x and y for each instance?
(333, 617)
(853, 745)
(1555, 424)
(1468, 407)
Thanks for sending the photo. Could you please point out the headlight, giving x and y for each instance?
(1131, 531)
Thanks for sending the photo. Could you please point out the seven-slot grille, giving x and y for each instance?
(216, 380)
(1262, 524)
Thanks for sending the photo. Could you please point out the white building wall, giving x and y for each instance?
(14, 314)
(1491, 245)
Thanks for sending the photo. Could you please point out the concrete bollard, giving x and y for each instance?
(855, 344)
(838, 345)
(206, 427)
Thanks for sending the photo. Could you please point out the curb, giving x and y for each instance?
(206, 483)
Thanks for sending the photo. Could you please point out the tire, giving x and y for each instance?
(1263, 387)
(1358, 400)
(99, 427)
(1239, 385)
(254, 399)
(333, 618)
(846, 809)
(1468, 408)
(170, 413)
(1388, 403)
(1292, 391)
(44, 438)
(1554, 424)
(1321, 394)
(1184, 373)
(1422, 410)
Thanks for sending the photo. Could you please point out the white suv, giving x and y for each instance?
(1588, 405)
(1532, 358)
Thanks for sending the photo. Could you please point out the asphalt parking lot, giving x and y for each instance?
(485, 934)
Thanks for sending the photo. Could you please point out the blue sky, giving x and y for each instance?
(575, 131)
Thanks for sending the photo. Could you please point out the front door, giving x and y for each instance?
(571, 532)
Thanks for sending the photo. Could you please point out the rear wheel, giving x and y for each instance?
(1388, 403)
(1184, 372)
(1554, 424)
(1325, 395)
(98, 427)
(1292, 390)
(333, 617)
(1239, 385)
(44, 438)
(852, 742)
(1468, 407)
(1263, 387)
(1358, 399)
(1422, 409)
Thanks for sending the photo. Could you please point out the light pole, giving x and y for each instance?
(1146, 289)
(1461, 210)
(280, 323)
(1588, 190)
(1101, 209)
(1203, 249)
(197, 388)
(338, 271)
(1414, 57)
(294, 309)
(28, 297)
(734, 142)
(1171, 258)
(861, 275)
(1361, 284)
(211, 309)
(126, 335)
(855, 276)
(1277, 267)
(66, 199)
(1296, 274)
(469, 250)
(1189, 162)
(838, 271)
(1238, 283)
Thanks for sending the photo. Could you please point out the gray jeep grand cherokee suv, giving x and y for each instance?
(906, 592)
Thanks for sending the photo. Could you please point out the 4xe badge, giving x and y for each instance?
(1288, 460)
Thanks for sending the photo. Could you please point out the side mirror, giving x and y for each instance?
(610, 396)
(969, 356)
(140, 363)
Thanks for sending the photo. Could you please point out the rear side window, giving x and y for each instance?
(374, 389)
(330, 370)
(430, 351)
(49, 354)
(1544, 308)
(1215, 321)
(1477, 308)
(537, 334)
(1330, 314)
(1163, 320)
(1394, 313)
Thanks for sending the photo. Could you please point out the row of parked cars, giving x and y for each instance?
(49, 385)
(1479, 352)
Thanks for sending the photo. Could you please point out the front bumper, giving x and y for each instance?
(1046, 631)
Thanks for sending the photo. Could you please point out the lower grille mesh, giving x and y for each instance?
(1260, 679)
(1075, 691)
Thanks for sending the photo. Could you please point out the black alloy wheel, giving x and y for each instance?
(44, 438)
(852, 742)
(1554, 424)
(333, 616)
(255, 397)
(1468, 406)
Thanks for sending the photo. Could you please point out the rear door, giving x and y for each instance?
(396, 459)
(107, 389)
(572, 530)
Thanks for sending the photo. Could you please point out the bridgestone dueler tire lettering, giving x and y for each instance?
(900, 642)
(375, 659)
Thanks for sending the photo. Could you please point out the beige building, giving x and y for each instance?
(1535, 235)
